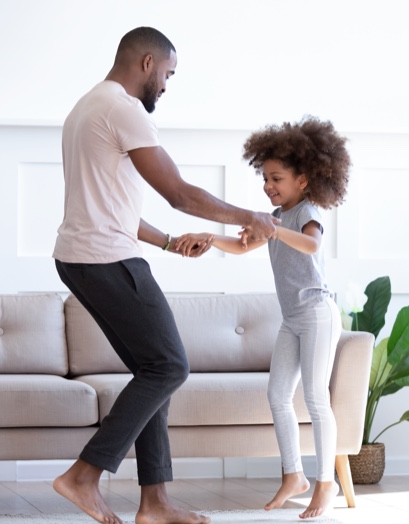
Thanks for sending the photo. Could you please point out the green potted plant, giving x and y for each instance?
(389, 373)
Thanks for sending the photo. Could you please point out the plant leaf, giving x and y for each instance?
(397, 382)
(372, 318)
(380, 367)
(398, 344)
(393, 387)
(404, 417)
(400, 372)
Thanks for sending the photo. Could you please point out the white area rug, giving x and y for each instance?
(218, 517)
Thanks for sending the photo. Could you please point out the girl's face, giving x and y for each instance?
(282, 186)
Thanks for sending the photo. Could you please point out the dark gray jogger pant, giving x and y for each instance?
(132, 311)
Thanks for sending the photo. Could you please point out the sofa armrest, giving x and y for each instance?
(349, 388)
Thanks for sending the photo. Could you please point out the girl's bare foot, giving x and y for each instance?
(293, 484)
(80, 486)
(322, 498)
(156, 508)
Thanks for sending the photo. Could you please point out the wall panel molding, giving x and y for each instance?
(363, 236)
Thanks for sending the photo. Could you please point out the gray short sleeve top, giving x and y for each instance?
(299, 277)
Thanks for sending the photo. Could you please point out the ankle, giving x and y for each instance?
(325, 484)
(154, 494)
(297, 476)
(83, 472)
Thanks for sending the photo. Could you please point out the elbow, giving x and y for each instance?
(177, 201)
(186, 197)
(313, 248)
(182, 199)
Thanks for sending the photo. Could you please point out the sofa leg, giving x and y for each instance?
(345, 478)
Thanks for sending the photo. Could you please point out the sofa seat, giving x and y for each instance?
(205, 399)
(46, 401)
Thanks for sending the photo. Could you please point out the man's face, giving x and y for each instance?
(156, 83)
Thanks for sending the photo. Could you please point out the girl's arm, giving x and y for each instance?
(236, 245)
(228, 244)
(307, 242)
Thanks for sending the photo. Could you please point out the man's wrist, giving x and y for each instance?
(167, 245)
(249, 218)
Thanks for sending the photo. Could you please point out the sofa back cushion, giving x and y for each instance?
(220, 333)
(88, 349)
(232, 332)
(32, 335)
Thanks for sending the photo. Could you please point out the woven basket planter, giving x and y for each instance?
(369, 465)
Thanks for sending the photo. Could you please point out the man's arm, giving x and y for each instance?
(151, 235)
(159, 170)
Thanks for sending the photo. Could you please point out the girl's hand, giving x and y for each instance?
(244, 234)
(192, 244)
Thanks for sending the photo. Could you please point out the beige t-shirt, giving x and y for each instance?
(103, 190)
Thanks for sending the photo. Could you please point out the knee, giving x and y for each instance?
(271, 398)
(275, 399)
(317, 403)
(179, 369)
(184, 370)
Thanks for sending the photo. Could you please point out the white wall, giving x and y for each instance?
(242, 64)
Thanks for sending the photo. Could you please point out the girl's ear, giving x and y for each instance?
(303, 181)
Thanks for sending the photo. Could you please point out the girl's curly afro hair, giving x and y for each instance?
(311, 147)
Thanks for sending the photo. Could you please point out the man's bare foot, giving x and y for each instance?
(322, 498)
(293, 484)
(80, 486)
(156, 508)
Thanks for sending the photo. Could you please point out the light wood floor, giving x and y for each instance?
(383, 503)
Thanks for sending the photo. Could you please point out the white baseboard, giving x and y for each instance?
(240, 467)
(8, 470)
(262, 467)
(397, 466)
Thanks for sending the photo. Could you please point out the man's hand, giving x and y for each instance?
(192, 244)
(261, 228)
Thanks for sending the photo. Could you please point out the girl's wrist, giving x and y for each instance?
(172, 244)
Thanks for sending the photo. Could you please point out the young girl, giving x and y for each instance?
(303, 165)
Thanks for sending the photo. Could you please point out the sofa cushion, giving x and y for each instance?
(44, 401)
(88, 348)
(32, 335)
(205, 399)
(228, 332)
(108, 386)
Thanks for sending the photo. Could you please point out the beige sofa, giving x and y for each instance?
(59, 377)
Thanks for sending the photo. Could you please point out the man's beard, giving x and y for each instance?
(150, 93)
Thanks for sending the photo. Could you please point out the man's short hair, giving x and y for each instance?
(147, 40)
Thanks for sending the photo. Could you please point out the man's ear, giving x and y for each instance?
(147, 62)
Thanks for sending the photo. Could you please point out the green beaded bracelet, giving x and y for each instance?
(167, 245)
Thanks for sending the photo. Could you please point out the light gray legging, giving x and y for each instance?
(305, 347)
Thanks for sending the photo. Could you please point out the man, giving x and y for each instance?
(110, 147)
